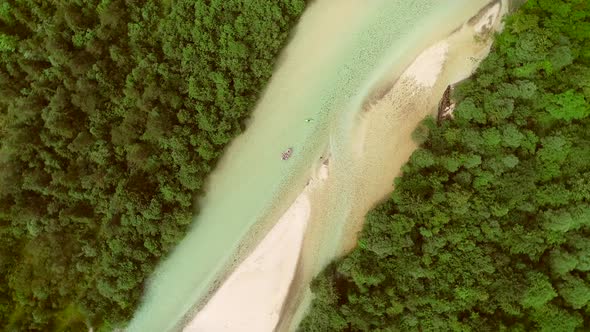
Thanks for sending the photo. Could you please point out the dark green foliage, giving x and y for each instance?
(112, 112)
(488, 229)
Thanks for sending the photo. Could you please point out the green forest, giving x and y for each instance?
(488, 228)
(112, 113)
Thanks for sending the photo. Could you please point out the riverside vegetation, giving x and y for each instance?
(488, 228)
(112, 113)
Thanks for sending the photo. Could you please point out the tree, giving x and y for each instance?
(568, 105)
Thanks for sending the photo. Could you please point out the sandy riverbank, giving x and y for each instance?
(252, 297)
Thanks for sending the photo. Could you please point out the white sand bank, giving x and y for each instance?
(252, 297)
(428, 65)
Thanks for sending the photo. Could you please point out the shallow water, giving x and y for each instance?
(339, 50)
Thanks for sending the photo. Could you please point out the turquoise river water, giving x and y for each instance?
(339, 49)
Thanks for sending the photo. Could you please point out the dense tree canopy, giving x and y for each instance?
(112, 112)
(488, 229)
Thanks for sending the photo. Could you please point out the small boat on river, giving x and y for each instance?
(287, 154)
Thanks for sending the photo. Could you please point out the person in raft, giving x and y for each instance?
(287, 154)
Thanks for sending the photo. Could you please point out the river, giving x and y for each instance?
(339, 51)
